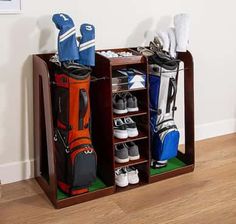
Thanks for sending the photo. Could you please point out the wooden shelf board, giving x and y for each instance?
(130, 114)
(131, 163)
(172, 173)
(129, 90)
(139, 137)
(130, 186)
(135, 59)
(84, 197)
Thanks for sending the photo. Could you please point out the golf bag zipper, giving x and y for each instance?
(67, 148)
(62, 140)
(84, 147)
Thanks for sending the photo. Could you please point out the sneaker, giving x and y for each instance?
(121, 177)
(133, 151)
(158, 164)
(131, 127)
(119, 104)
(121, 154)
(120, 130)
(132, 175)
(132, 103)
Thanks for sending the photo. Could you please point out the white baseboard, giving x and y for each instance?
(16, 171)
(214, 129)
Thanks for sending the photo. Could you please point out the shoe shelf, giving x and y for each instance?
(136, 58)
(129, 90)
(106, 66)
(131, 186)
(131, 163)
(102, 118)
(142, 135)
(130, 114)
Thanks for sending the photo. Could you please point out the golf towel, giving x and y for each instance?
(87, 45)
(67, 43)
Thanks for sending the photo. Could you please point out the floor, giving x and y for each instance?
(208, 195)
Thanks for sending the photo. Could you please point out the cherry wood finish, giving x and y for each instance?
(187, 59)
(142, 135)
(102, 126)
(130, 114)
(104, 141)
(132, 163)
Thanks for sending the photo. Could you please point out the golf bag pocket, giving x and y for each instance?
(76, 167)
(62, 107)
(82, 165)
(166, 140)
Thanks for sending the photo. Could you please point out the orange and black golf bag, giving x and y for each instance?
(76, 159)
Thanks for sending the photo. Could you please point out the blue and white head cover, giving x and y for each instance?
(87, 45)
(67, 43)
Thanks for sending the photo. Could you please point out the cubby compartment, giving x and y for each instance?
(45, 170)
(143, 175)
(143, 145)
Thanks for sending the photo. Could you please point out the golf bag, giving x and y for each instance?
(76, 159)
(164, 133)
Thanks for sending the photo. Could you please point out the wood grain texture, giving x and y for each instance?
(206, 196)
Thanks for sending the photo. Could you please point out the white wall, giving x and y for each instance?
(118, 24)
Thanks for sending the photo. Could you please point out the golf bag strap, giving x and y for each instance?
(166, 86)
(172, 91)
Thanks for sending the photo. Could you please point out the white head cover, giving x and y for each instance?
(182, 27)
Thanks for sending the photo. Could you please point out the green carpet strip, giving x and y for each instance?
(173, 164)
(98, 184)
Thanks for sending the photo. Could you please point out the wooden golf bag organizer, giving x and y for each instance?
(102, 128)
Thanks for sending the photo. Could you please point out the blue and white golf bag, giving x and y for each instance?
(67, 43)
(164, 133)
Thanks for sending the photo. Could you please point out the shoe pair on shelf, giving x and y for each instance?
(124, 103)
(126, 152)
(125, 129)
(126, 176)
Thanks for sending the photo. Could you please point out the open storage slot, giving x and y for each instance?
(143, 178)
(45, 171)
(185, 160)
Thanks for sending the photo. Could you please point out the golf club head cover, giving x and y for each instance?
(87, 45)
(67, 43)
(172, 38)
(182, 27)
(163, 37)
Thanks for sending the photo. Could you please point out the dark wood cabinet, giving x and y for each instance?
(102, 128)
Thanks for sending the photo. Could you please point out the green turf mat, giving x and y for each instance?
(98, 184)
(172, 165)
